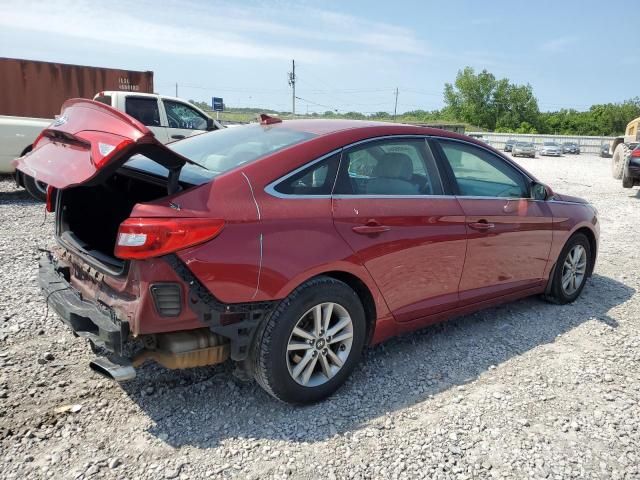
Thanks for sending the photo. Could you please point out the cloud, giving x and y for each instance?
(558, 45)
(307, 34)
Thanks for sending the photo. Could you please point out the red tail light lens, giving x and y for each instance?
(636, 153)
(140, 238)
(104, 146)
(51, 199)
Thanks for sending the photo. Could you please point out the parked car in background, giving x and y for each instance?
(508, 146)
(17, 135)
(605, 150)
(289, 246)
(631, 169)
(571, 147)
(551, 148)
(523, 149)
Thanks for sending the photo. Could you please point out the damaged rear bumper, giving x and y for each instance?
(87, 319)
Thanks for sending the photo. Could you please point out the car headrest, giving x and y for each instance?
(394, 165)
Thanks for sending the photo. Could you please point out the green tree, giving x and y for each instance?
(483, 100)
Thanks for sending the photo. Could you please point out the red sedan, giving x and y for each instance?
(289, 246)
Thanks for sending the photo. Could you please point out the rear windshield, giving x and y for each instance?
(228, 148)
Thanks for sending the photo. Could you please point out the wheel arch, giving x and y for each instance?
(374, 304)
(365, 295)
(18, 174)
(593, 245)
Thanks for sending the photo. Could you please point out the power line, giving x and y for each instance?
(317, 104)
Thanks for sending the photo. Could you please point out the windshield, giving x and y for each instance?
(550, 144)
(225, 149)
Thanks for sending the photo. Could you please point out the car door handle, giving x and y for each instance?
(177, 137)
(371, 227)
(481, 226)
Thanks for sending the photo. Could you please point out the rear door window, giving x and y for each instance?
(389, 167)
(144, 110)
(317, 179)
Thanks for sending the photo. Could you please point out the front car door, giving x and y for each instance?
(389, 206)
(183, 120)
(509, 233)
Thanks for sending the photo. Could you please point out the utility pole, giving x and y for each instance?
(395, 108)
(176, 89)
(292, 84)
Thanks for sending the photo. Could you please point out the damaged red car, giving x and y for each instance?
(289, 246)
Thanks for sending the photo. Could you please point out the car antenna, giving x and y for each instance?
(268, 120)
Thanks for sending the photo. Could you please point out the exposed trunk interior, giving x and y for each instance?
(90, 215)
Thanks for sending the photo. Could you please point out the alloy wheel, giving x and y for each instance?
(319, 344)
(574, 270)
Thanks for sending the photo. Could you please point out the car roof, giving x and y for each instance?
(322, 127)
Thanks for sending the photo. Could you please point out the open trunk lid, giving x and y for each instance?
(90, 139)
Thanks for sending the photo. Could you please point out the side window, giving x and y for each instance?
(389, 167)
(144, 110)
(106, 99)
(479, 173)
(317, 179)
(180, 115)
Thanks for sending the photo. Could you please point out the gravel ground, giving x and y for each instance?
(526, 390)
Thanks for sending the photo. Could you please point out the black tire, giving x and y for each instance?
(37, 190)
(627, 180)
(557, 294)
(269, 352)
(620, 157)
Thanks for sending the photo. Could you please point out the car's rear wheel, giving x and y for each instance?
(310, 344)
(620, 156)
(571, 271)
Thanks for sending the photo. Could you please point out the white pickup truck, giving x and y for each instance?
(169, 118)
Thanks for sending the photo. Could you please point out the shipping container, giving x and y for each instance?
(30, 88)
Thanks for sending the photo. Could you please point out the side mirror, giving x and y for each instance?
(210, 124)
(540, 191)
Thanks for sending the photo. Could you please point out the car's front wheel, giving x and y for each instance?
(310, 344)
(571, 271)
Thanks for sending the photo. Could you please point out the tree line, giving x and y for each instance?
(484, 102)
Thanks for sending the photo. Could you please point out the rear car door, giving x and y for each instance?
(146, 111)
(389, 206)
(509, 233)
(182, 120)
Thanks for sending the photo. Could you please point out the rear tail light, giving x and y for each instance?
(140, 238)
(104, 146)
(636, 153)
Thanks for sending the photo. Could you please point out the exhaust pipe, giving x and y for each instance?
(115, 368)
